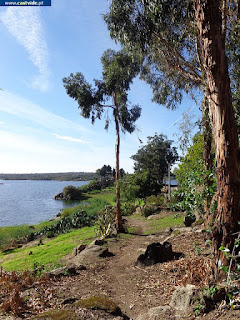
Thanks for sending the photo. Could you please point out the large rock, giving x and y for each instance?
(91, 253)
(156, 253)
(78, 249)
(183, 297)
(158, 313)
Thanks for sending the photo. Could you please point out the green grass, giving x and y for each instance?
(49, 254)
(95, 202)
(155, 226)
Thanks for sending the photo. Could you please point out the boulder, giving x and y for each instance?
(62, 271)
(158, 313)
(183, 297)
(91, 253)
(156, 253)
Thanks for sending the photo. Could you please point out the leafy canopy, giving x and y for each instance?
(119, 69)
(155, 156)
(165, 35)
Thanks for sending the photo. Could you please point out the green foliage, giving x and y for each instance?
(148, 211)
(232, 270)
(77, 220)
(157, 200)
(119, 69)
(105, 224)
(105, 170)
(128, 208)
(164, 33)
(98, 184)
(72, 193)
(192, 178)
(155, 156)
(139, 185)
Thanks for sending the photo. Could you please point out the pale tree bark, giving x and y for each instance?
(227, 154)
(117, 174)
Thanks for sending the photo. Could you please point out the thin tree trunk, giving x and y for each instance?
(227, 154)
(117, 175)
(169, 181)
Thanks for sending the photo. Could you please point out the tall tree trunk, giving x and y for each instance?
(117, 175)
(207, 160)
(227, 153)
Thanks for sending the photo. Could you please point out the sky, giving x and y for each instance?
(41, 129)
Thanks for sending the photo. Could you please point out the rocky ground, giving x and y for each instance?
(135, 289)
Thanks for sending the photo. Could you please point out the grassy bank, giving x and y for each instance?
(11, 237)
(48, 253)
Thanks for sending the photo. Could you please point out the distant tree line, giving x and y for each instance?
(66, 176)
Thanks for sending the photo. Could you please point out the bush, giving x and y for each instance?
(139, 185)
(97, 185)
(128, 208)
(148, 211)
(105, 224)
(72, 193)
(78, 220)
(155, 200)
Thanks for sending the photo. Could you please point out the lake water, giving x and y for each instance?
(31, 201)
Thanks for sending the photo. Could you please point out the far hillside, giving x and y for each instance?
(65, 176)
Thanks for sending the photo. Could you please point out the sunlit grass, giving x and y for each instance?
(49, 254)
(157, 225)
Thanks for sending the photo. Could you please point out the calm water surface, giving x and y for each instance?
(29, 202)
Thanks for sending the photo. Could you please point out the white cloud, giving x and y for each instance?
(1, 123)
(68, 138)
(26, 26)
(25, 109)
(20, 143)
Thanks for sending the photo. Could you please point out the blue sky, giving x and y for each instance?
(41, 129)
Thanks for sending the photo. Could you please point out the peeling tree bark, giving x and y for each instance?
(209, 21)
(207, 159)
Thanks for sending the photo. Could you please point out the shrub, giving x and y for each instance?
(128, 208)
(72, 193)
(148, 211)
(155, 200)
(139, 185)
(105, 224)
(96, 185)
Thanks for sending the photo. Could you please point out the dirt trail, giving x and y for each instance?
(136, 289)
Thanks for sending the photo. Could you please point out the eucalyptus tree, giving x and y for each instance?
(110, 92)
(183, 44)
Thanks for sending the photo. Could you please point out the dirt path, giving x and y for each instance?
(135, 289)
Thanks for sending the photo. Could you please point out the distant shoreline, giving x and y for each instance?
(61, 176)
